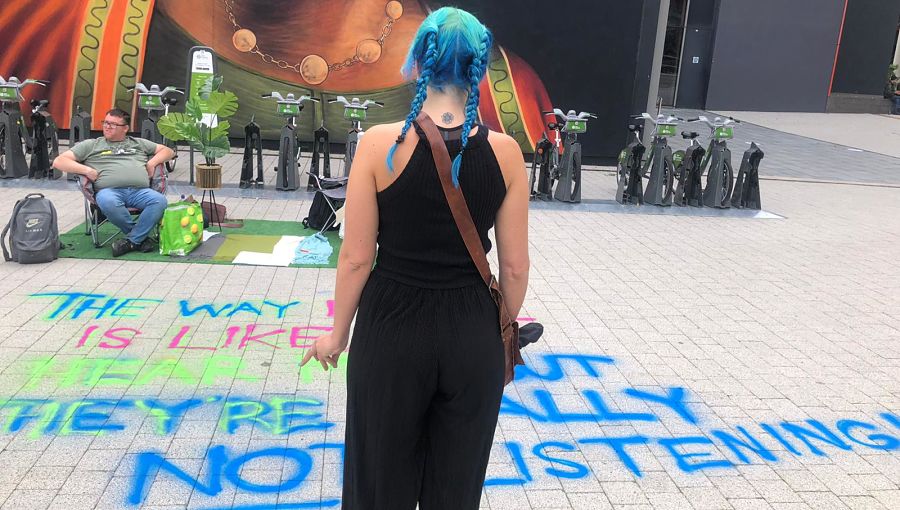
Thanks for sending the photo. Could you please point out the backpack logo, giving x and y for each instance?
(32, 222)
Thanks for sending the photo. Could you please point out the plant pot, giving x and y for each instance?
(209, 176)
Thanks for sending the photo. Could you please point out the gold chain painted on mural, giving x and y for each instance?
(313, 68)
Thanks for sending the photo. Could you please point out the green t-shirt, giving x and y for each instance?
(118, 164)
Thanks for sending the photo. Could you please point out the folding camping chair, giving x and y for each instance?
(333, 192)
(94, 217)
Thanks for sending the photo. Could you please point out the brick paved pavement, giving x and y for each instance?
(668, 338)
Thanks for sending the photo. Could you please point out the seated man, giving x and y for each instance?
(120, 168)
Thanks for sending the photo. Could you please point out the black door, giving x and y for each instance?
(693, 78)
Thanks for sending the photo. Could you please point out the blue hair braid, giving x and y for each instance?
(475, 73)
(426, 71)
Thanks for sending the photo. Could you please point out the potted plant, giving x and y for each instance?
(191, 127)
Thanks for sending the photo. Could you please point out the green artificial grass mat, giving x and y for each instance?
(77, 245)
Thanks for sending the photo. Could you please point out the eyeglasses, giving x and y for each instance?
(112, 124)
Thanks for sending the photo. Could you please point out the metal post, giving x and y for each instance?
(656, 68)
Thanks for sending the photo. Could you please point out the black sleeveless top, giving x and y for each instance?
(418, 242)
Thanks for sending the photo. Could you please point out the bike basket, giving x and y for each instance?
(351, 113)
(576, 126)
(288, 109)
(150, 101)
(723, 133)
(666, 129)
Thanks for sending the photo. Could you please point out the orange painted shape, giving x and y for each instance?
(140, 71)
(108, 60)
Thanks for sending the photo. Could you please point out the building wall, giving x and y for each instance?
(593, 55)
(773, 55)
(867, 46)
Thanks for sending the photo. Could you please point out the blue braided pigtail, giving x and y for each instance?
(426, 71)
(475, 73)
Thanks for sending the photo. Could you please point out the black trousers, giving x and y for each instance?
(424, 382)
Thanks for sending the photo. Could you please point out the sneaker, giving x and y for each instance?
(122, 246)
(147, 246)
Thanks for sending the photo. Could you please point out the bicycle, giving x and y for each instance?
(14, 137)
(629, 180)
(155, 100)
(564, 169)
(659, 164)
(545, 162)
(288, 148)
(689, 171)
(720, 173)
(44, 143)
(354, 111)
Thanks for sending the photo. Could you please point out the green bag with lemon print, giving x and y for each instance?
(181, 229)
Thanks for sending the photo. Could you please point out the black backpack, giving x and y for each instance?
(34, 231)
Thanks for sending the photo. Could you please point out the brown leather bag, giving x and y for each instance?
(509, 329)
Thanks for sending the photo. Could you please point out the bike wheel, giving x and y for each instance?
(532, 174)
(3, 148)
(554, 167)
(576, 175)
(53, 152)
(727, 183)
(668, 178)
(349, 154)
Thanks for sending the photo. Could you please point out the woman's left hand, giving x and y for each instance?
(326, 349)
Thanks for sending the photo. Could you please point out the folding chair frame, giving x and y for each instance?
(94, 217)
(332, 189)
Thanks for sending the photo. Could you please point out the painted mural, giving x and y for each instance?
(98, 49)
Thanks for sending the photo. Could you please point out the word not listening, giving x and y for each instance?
(689, 453)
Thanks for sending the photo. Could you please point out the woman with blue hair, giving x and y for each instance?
(427, 371)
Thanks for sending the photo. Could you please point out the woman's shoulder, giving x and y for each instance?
(505, 147)
(387, 131)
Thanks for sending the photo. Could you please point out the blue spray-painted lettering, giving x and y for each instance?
(69, 299)
(578, 469)
(876, 441)
(555, 370)
(167, 417)
(618, 445)
(149, 464)
(821, 434)
(303, 466)
(673, 399)
(515, 451)
(82, 415)
(735, 444)
(682, 458)
(152, 461)
(781, 440)
(605, 414)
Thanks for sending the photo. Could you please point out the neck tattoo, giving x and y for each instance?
(447, 118)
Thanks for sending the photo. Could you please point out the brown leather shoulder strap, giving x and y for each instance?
(455, 198)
